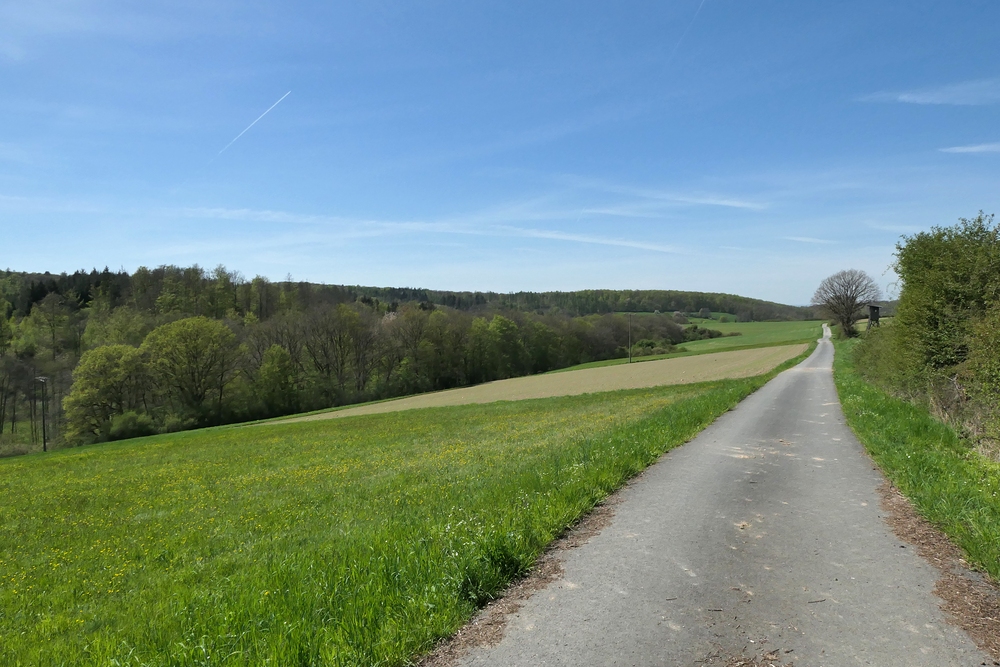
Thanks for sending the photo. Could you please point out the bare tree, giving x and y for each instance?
(843, 297)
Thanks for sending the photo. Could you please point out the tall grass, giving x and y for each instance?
(949, 483)
(356, 541)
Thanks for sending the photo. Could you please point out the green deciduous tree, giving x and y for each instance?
(949, 278)
(481, 352)
(121, 326)
(53, 315)
(109, 381)
(509, 346)
(6, 330)
(193, 361)
(277, 383)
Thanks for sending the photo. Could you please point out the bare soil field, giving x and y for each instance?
(683, 370)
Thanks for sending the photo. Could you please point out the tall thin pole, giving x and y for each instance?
(629, 338)
(44, 433)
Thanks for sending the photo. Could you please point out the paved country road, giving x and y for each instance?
(764, 535)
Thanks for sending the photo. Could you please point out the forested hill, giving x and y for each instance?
(101, 355)
(591, 302)
(191, 290)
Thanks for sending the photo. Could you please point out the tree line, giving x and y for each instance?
(193, 290)
(113, 355)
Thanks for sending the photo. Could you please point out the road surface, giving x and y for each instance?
(762, 537)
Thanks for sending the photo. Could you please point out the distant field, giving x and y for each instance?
(753, 335)
(703, 368)
(756, 333)
(357, 541)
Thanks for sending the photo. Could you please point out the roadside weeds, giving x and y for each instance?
(487, 627)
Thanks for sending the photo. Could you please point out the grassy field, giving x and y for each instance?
(752, 335)
(756, 333)
(950, 484)
(357, 541)
(704, 368)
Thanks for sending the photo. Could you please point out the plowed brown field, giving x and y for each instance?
(683, 370)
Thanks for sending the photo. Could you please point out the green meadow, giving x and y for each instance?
(752, 334)
(755, 334)
(356, 541)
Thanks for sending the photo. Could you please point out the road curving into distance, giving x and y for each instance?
(761, 538)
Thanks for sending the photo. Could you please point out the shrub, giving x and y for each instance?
(942, 349)
(174, 423)
(982, 373)
(130, 425)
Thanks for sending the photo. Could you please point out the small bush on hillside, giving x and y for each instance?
(647, 347)
(175, 423)
(694, 332)
(130, 425)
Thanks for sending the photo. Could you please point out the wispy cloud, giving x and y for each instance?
(265, 215)
(806, 239)
(587, 238)
(671, 196)
(456, 226)
(716, 201)
(978, 92)
(974, 148)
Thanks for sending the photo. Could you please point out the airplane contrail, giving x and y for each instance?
(253, 123)
(684, 34)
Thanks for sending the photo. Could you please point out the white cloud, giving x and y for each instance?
(974, 148)
(981, 91)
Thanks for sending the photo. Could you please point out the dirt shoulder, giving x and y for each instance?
(970, 599)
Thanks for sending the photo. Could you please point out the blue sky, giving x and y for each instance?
(744, 147)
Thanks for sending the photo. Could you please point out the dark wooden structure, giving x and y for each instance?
(873, 312)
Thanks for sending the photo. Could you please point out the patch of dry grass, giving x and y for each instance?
(683, 370)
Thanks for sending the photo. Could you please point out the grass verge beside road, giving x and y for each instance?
(950, 484)
(357, 541)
